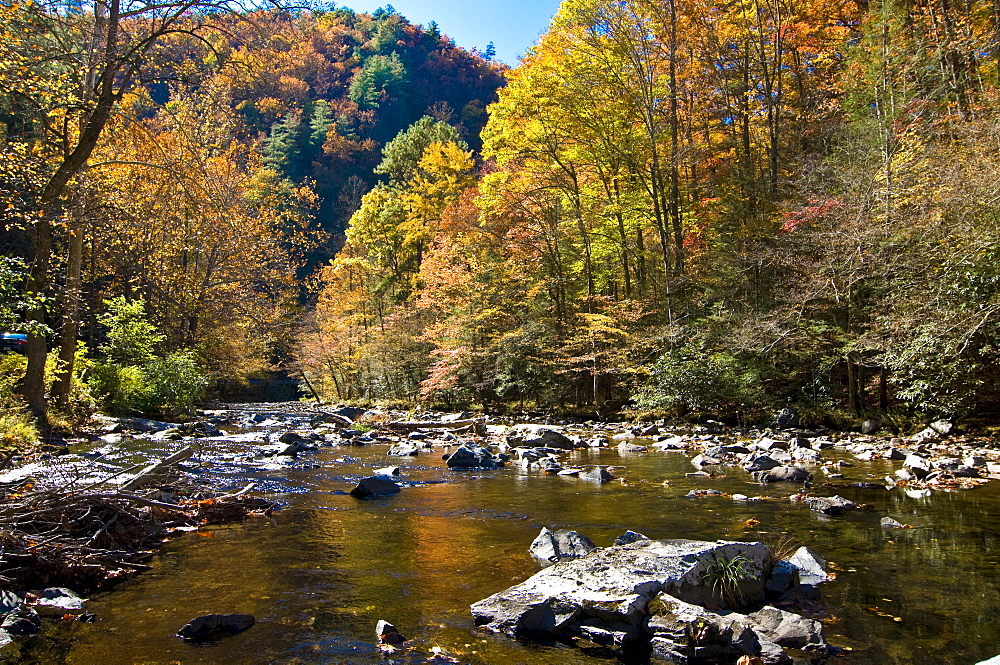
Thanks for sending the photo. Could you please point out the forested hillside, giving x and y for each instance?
(687, 207)
(696, 207)
(171, 173)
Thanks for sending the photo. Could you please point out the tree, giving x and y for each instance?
(110, 49)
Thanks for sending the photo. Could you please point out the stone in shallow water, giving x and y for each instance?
(215, 626)
(830, 505)
(470, 456)
(812, 568)
(374, 487)
(613, 586)
(21, 621)
(561, 544)
(792, 474)
(58, 598)
(599, 474)
(386, 633)
(630, 537)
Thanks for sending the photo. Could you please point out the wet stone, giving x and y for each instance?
(211, 627)
(386, 633)
(21, 621)
(375, 486)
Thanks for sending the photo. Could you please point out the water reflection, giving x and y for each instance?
(319, 574)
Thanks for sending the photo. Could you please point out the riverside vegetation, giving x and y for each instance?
(699, 209)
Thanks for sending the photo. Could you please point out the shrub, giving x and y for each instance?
(174, 381)
(716, 383)
(131, 337)
(121, 389)
(170, 383)
(17, 427)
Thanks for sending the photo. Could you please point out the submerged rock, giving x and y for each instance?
(215, 626)
(889, 523)
(558, 545)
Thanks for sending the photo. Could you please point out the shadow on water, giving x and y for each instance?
(321, 572)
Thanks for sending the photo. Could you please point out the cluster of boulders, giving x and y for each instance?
(22, 614)
(680, 601)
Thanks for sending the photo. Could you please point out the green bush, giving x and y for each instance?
(170, 383)
(716, 384)
(17, 428)
(174, 381)
(132, 339)
(121, 389)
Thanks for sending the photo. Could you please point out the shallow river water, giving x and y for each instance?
(324, 569)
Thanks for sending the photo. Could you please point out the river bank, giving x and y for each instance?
(451, 537)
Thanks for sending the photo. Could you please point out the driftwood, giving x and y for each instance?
(147, 475)
(86, 537)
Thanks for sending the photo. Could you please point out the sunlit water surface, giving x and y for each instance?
(322, 571)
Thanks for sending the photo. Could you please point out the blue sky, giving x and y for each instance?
(512, 26)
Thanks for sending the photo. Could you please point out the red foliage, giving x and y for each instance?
(814, 211)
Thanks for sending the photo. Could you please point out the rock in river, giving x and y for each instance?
(558, 545)
(386, 633)
(375, 486)
(215, 626)
(599, 474)
(470, 456)
(21, 621)
(792, 474)
(611, 587)
(533, 436)
(830, 505)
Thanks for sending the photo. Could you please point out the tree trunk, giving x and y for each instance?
(70, 320)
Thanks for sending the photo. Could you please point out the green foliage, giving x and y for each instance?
(121, 389)
(168, 384)
(282, 146)
(174, 381)
(381, 75)
(132, 339)
(132, 378)
(725, 578)
(716, 383)
(17, 428)
(402, 155)
(14, 301)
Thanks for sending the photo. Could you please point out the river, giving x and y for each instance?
(319, 573)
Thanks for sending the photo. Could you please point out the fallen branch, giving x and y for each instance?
(148, 474)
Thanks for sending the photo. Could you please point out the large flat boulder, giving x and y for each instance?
(610, 588)
(534, 436)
